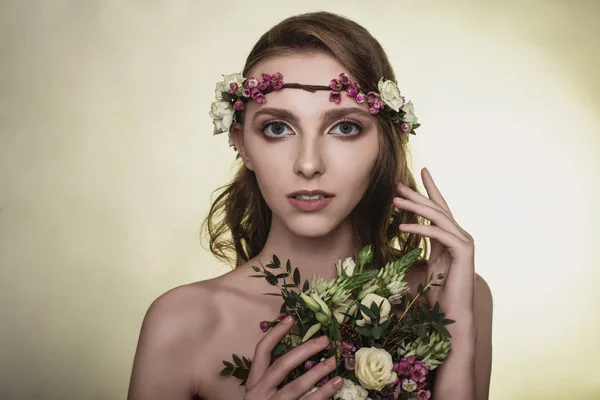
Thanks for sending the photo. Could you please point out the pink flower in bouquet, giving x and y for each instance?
(419, 373)
(405, 367)
(409, 385)
(423, 395)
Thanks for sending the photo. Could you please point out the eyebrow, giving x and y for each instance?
(328, 115)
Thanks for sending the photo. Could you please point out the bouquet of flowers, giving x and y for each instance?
(382, 355)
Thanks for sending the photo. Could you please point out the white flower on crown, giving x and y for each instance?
(410, 117)
(390, 94)
(225, 85)
(221, 113)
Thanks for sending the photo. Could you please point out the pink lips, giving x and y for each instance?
(310, 205)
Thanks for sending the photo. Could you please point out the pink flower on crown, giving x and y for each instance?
(246, 92)
(277, 76)
(335, 84)
(260, 98)
(344, 79)
(263, 86)
(266, 77)
(405, 127)
(255, 92)
(360, 98)
(423, 395)
(373, 111)
(277, 84)
(233, 87)
(238, 105)
(252, 83)
(352, 89)
(372, 97)
(335, 96)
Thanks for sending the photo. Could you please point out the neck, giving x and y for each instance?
(311, 255)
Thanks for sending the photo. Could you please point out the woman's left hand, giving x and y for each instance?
(452, 249)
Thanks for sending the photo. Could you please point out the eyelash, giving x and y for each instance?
(349, 121)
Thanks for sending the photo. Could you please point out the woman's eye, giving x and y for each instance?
(346, 128)
(276, 129)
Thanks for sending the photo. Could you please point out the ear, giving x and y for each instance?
(237, 136)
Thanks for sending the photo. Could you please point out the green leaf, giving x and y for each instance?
(377, 332)
(288, 267)
(385, 324)
(256, 276)
(306, 286)
(240, 373)
(247, 362)
(271, 266)
(366, 311)
(282, 275)
(226, 371)
(237, 360)
(296, 276)
(363, 330)
(271, 279)
(272, 294)
(276, 261)
(255, 268)
(448, 321)
(228, 364)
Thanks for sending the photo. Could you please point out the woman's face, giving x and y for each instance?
(300, 141)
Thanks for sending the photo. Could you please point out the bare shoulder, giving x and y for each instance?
(174, 329)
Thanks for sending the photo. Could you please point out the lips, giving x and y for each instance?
(310, 200)
(311, 193)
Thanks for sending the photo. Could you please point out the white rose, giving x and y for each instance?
(225, 85)
(374, 368)
(222, 114)
(339, 311)
(351, 391)
(390, 94)
(409, 117)
(384, 311)
(346, 265)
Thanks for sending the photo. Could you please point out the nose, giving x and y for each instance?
(309, 159)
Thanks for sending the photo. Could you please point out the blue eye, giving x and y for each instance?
(347, 128)
(274, 129)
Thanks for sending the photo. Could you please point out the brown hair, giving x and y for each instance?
(239, 219)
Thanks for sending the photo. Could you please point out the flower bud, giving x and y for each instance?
(311, 331)
(313, 305)
(366, 255)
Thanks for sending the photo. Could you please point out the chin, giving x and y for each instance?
(313, 226)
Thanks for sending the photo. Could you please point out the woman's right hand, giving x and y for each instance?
(264, 377)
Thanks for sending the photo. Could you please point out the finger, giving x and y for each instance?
(285, 364)
(433, 191)
(458, 248)
(410, 194)
(327, 390)
(264, 348)
(308, 380)
(437, 217)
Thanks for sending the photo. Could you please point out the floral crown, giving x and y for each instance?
(235, 91)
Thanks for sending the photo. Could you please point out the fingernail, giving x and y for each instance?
(337, 382)
(288, 319)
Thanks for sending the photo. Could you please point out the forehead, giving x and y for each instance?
(310, 69)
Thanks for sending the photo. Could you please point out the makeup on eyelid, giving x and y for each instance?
(352, 123)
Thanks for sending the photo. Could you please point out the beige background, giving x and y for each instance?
(107, 163)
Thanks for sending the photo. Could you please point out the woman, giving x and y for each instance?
(320, 176)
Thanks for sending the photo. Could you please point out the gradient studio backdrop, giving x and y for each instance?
(107, 163)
